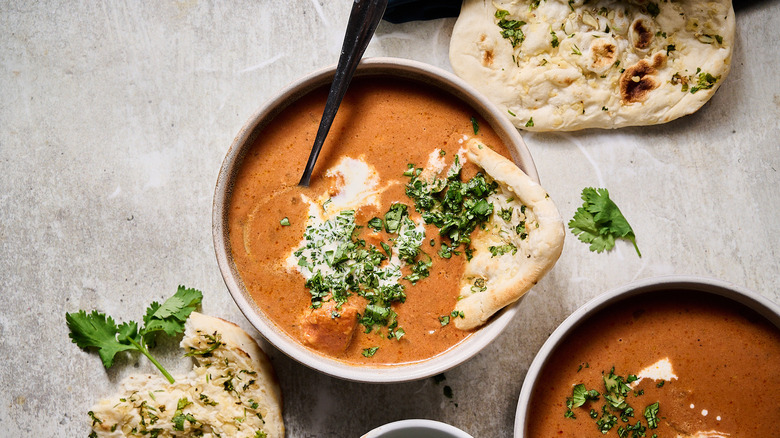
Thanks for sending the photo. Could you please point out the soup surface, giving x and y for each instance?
(690, 364)
(278, 230)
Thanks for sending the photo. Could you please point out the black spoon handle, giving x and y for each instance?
(363, 20)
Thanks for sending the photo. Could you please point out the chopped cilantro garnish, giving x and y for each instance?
(179, 417)
(341, 265)
(370, 352)
(705, 82)
(393, 217)
(502, 249)
(653, 9)
(510, 29)
(651, 414)
(213, 341)
(479, 285)
(580, 395)
(615, 406)
(521, 231)
(506, 213)
(95, 420)
(376, 223)
(455, 207)
(420, 270)
(475, 125)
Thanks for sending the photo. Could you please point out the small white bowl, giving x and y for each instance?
(751, 300)
(417, 429)
(419, 72)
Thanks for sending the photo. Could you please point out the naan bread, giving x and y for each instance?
(510, 256)
(594, 64)
(231, 391)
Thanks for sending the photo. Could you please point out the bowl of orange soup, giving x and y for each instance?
(342, 275)
(664, 357)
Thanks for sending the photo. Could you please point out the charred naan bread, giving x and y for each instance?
(231, 392)
(521, 243)
(574, 64)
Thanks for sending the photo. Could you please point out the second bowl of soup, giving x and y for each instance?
(667, 357)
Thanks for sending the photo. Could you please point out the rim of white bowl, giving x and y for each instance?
(418, 424)
(402, 68)
(758, 303)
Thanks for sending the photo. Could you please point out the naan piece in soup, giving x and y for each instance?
(519, 245)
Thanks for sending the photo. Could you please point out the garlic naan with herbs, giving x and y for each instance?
(568, 65)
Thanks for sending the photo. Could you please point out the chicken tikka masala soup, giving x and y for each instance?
(364, 264)
(678, 364)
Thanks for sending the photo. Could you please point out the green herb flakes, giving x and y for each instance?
(705, 82)
(651, 414)
(376, 224)
(510, 29)
(615, 410)
(653, 9)
(500, 250)
(456, 208)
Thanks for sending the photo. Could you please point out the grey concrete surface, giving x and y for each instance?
(115, 117)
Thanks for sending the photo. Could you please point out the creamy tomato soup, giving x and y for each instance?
(690, 364)
(290, 243)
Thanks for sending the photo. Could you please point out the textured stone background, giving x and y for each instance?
(115, 117)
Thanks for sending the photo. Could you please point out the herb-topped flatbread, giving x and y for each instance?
(517, 247)
(231, 391)
(568, 65)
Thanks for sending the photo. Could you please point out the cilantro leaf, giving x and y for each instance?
(651, 414)
(96, 330)
(599, 222)
(370, 352)
(99, 331)
(580, 395)
(170, 316)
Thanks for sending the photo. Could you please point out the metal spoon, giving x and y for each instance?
(362, 23)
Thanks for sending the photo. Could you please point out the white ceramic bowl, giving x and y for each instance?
(406, 69)
(416, 429)
(752, 300)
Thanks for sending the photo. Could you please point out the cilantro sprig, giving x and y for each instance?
(98, 331)
(599, 222)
